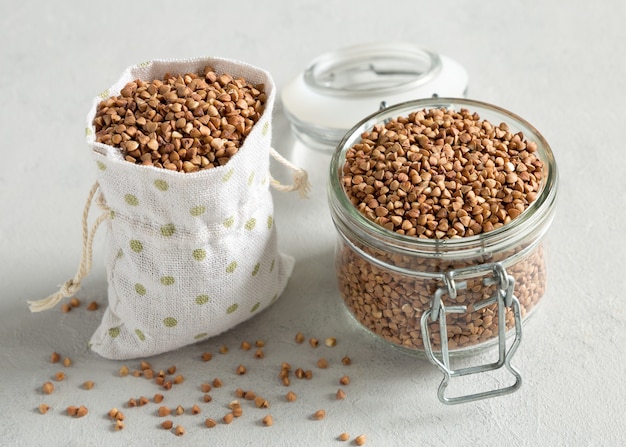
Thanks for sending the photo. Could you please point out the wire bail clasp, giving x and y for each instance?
(504, 297)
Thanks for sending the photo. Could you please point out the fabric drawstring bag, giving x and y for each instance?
(188, 255)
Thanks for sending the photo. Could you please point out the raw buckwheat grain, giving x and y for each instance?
(183, 122)
(437, 174)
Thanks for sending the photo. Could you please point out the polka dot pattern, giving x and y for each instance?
(170, 322)
(194, 255)
(229, 222)
(232, 308)
(231, 267)
(228, 175)
(131, 200)
(199, 254)
(202, 299)
(198, 210)
(168, 230)
(136, 246)
(167, 280)
(161, 185)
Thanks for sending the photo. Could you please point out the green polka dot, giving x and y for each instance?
(272, 266)
(266, 128)
(114, 332)
(228, 175)
(251, 178)
(111, 214)
(140, 335)
(104, 94)
(270, 222)
(136, 246)
(199, 254)
(197, 211)
(274, 298)
(131, 200)
(144, 64)
(161, 185)
(120, 254)
(168, 230)
(101, 165)
(202, 299)
(229, 222)
(250, 224)
(202, 335)
(232, 308)
(167, 280)
(231, 267)
(255, 307)
(140, 289)
(256, 269)
(170, 322)
(87, 131)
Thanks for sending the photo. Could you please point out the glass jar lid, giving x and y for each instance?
(339, 88)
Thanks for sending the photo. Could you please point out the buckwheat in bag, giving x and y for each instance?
(191, 249)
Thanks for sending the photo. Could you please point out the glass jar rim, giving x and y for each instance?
(536, 218)
(339, 87)
(372, 69)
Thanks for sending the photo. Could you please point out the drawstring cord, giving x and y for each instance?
(72, 286)
(300, 177)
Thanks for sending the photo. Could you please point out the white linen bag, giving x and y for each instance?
(188, 255)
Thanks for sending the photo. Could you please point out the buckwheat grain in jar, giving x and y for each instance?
(441, 208)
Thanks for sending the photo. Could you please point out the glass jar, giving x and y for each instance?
(339, 87)
(444, 297)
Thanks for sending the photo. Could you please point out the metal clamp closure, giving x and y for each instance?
(504, 298)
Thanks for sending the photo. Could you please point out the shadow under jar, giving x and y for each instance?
(441, 207)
